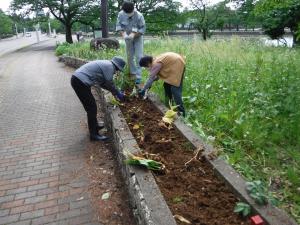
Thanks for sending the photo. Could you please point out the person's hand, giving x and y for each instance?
(120, 96)
(141, 93)
(131, 35)
(124, 35)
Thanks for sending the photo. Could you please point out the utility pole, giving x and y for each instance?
(49, 26)
(104, 18)
(37, 32)
(16, 30)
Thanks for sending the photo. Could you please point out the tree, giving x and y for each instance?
(246, 12)
(277, 15)
(206, 15)
(163, 18)
(6, 27)
(67, 12)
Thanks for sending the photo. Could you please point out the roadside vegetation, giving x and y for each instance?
(242, 97)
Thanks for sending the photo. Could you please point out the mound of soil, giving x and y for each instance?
(192, 191)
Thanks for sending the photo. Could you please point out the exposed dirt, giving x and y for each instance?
(192, 190)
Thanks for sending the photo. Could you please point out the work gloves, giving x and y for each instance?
(120, 96)
(129, 37)
(141, 93)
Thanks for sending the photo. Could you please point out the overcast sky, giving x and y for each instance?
(4, 4)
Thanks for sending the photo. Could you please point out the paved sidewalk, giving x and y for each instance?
(13, 44)
(42, 142)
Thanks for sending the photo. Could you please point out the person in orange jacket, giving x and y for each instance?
(169, 67)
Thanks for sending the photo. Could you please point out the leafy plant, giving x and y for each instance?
(61, 48)
(114, 101)
(141, 161)
(177, 199)
(257, 191)
(242, 208)
(170, 115)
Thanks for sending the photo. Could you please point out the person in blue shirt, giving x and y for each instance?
(98, 72)
(131, 25)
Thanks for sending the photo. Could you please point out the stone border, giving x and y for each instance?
(149, 205)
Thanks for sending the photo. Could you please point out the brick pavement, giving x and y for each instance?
(42, 143)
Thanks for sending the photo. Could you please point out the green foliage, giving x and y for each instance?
(278, 15)
(177, 199)
(257, 191)
(66, 12)
(244, 96)
(6, 26)
(242, 208)
(147, 163)
(62, 48)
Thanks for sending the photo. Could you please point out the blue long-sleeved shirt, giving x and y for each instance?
(98, 72)
(135, 23)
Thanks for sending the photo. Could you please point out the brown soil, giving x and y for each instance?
(191, 191)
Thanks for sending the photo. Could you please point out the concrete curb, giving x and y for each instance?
(148, 203)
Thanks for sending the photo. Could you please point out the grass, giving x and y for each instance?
(243, 97)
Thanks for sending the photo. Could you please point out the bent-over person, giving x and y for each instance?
(170, 68)
(98, 72)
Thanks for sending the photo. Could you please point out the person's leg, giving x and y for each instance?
(168, 93)
(177, 95)
(139, 51)
(130, 57)
(88, 101)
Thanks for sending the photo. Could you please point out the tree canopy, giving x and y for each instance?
(67, 12)
(278, 15)
(6, 27)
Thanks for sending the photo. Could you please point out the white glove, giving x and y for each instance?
(131, 35)
(124, 35)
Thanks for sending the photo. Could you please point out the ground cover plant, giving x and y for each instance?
(244, 98)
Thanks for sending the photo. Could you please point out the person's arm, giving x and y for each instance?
(108, 82)
(141, 29)
(110, 86)
(119, 26)
(153, 75)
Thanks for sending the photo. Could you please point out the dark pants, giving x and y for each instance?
(175, 93)
(88, 101)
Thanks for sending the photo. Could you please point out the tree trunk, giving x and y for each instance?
(68, 27)
(104, 18)
(204, 34)
(295, 41)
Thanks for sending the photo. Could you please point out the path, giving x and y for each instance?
(12, 44)
(43, 142)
